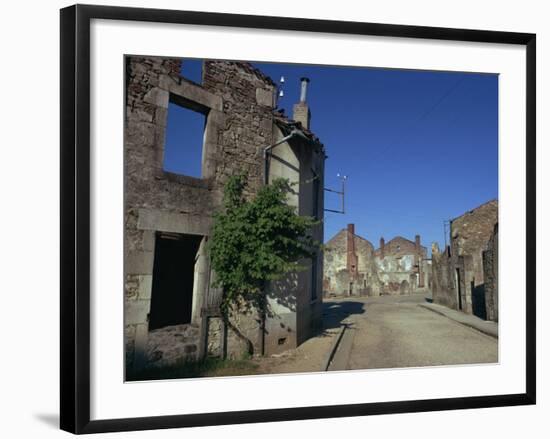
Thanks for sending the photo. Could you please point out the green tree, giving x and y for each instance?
(256, 241)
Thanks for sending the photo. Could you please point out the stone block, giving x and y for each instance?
(148, 241)
(154, 219)
(140, 133)
(161, 116)
(145, 286)
(135, 311)
(139, 262)
(158, 97)
(193, 93)
(264, 97)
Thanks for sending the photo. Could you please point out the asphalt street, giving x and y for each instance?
(395, 331)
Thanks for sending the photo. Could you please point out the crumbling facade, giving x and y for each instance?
(403, 265)
(349, 265)
(490, 273)
(465, 274)
(171, 309)
(354, 267)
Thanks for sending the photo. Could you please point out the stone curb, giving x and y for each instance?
(469, 325)
(334, 347)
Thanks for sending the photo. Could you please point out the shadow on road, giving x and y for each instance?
(335, 312)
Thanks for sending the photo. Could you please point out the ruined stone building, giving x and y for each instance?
(403, 265)
(465, 273)
(349, 266)
(354, 267)
(171, 309)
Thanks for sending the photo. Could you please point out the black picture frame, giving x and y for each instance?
(75, 217)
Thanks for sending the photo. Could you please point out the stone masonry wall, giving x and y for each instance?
(237, 101)
(247, 105)
(470, 234)
(400, 265)
(464, 276)
(443, 281)
(338, 279)
(490, 270)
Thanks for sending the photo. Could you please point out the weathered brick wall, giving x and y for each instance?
(399, 265)
(335, 261)
(490, 269)
(443, 280)
(397, 273)
(239, 124)
(398, 247)
(338, 279)
(471, 232)
(393, 270)
(247, 103)
(238, 103)
(145, 188)
(459, 275)
(365, 255)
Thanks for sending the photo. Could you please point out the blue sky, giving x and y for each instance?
(418, 147)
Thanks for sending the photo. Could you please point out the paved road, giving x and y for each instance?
(394, 331)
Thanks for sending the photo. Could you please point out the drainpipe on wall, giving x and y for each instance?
(267, 150)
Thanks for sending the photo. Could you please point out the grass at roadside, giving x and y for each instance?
(209, 367)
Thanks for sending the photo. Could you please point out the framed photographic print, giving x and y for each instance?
(259, 212)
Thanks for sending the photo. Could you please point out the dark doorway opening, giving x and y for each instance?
(459, 288)
(173, 278)
(478, 301)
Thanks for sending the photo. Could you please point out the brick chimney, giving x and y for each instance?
(301, 111)
(382, 245)
(351, 260)
(417, 243)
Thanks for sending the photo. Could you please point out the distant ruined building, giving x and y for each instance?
(465, 274)
(354, 267)
(171, 308)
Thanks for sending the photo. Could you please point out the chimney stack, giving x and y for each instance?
(417, 243)
(303, 92)
(382, 245)
(351, 255)
(301, 111)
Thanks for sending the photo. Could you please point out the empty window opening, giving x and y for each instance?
(173, 276)
(192, 69)
(184, 141)
(281, 341)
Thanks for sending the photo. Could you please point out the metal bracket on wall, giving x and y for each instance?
(342, 194)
